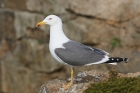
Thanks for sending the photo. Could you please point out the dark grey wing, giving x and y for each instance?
(77, 54)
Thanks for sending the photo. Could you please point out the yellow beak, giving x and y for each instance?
(40, 24)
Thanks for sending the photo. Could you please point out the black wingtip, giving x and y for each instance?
(126, 60)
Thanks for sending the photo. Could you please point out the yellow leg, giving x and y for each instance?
(71, 81)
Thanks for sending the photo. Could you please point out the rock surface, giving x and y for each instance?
(82, 81)
(25, 59)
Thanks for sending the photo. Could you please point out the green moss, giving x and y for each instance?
(40, 41)
(117, 85)
(115, 42)
(139, 76)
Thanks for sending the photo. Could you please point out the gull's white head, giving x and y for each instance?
(50, 20)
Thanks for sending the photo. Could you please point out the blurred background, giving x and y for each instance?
(25, 60)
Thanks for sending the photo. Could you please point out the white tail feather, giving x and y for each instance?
(113, 63)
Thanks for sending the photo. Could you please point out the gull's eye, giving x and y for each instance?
(50, 18)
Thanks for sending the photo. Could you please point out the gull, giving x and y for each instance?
(72, 53)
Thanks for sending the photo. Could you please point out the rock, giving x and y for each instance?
(105, 9)
(49, 7)
(92, 30)
(15, 4)
(24, 22)
(91, 77)
(7, 29)
(4, 48)
(55, 86)
(130, 31)
(25, 67)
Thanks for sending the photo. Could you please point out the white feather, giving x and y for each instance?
(113, 63)
(57, 38)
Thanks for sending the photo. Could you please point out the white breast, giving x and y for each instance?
(57, 38)
(52, 47)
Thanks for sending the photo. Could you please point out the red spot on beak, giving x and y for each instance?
(40, 24)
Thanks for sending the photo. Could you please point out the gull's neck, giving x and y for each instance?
(57, 35)
(57, 38)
